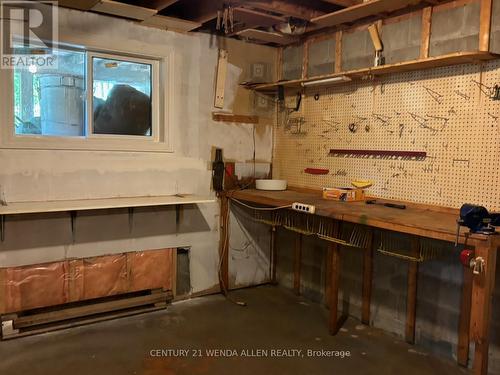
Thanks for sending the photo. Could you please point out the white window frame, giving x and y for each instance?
(159, 141)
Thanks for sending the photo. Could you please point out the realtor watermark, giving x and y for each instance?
(29, 32)
(251, 353)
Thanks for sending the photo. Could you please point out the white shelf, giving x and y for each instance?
(17, 208)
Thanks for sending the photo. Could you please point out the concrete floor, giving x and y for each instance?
(274, 319)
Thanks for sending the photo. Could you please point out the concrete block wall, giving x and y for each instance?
(438, 299)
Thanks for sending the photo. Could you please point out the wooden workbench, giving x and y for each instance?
(418, 220)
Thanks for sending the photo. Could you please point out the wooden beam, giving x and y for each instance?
(343, 3)
(297, 263)
(411, 296)
(367, 280)
(245, 19)
(359, 11)
(482, 295)
(78, 4)
(170, 23)
(156, 4)
(116, 8)
(287, 8)
(265, 36)
(464, 318)
(229, 117)
(485, 25)
(426, 32)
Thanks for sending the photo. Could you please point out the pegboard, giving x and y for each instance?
(445, 112)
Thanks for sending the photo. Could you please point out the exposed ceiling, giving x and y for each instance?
(274, 22)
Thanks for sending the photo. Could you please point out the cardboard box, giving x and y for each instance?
(344, 194)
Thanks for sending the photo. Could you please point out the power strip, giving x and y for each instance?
(302, 207)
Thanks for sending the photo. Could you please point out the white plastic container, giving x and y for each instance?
(270, 184)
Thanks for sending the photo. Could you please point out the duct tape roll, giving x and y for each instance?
(270, 184)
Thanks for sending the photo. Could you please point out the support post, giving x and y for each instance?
(426, 32)
(273, 256)
(367, 279)
(297, 263)
(411, 296)
(333, 323)
(338, 52)
(223, 247)
(482, 295)
(464, 319)
(485, 25)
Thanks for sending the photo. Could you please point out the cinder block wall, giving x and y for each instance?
(438, 300)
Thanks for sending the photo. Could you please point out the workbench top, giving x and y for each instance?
(421, 220)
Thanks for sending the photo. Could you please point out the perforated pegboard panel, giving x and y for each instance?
(446, 112)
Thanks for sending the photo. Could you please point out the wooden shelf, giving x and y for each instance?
(407, 66)
(99, 204)
(360, 11)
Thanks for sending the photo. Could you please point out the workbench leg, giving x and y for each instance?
(464, 319)
(411, 295)
(333, 323)
(224, 246)
(328, 275)
(367, 280)
(482, 294)
(273, 255)
(297, 263)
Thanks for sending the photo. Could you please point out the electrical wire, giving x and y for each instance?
(260, 208)
(225, 224)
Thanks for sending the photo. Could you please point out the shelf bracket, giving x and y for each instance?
(2, 228)
(130, 219)
(73, 225)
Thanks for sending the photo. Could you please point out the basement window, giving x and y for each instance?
(89, 100)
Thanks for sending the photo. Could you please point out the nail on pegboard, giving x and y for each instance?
(444, 111)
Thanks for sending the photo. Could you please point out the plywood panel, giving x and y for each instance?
(445, 112)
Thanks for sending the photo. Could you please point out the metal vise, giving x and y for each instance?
(477, 219)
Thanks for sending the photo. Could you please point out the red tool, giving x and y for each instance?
(316, 171)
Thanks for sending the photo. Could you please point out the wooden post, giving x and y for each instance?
(426, 32)
(338, 52)
(273, 256)
(279, 65)
(411, 296)
(485, 25)
(464, 319)
(333, 323)
(305, 59)
(223, 247)
(367, 279)
(297, 263)
(328, 274)
(482, 294)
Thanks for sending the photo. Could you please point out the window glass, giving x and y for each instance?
(51, 101)
(121, 97)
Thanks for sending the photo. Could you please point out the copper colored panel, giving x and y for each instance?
(150, 269)
(104, 276)
(75, 280)
(30, 287)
